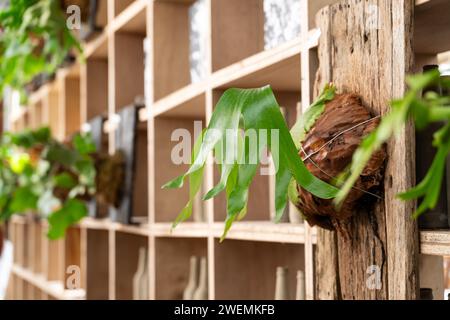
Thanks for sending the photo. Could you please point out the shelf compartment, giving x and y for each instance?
(102, 13)
(169, 202)
(54, 264)
(107, 224)
(435, 242)
(172, 264)
(97, 48)
(126, 264)
(68, 81)
(38, 253)
(96, 269)
(246, 270)
(96, 224)
(237, 31)
(94, 88)
(432, 27)
(128, 68)
(129, 31)
(171, 46)
(53, 111)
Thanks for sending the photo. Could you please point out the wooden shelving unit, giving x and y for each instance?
(243, 266)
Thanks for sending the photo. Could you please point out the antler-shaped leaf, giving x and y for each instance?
(254, 111)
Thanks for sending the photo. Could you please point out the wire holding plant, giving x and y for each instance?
(332, 157)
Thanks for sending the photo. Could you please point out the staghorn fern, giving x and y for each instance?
(251, 109)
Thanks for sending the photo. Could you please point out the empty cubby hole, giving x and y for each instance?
(37, 255)
(36, 115)
(129, 61)
(173, 264)
(237, 30)
(53, 114)
(97, 264)
(175, 38)
(246, 270)
(432, 27)
(175, 132)
(94, 88)
(127, 257)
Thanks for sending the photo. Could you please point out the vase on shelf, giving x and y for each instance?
(194, 269)
(140, 278)
(300, 291)
(281, 284)
(201, 293)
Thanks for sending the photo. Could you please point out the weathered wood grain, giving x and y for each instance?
(366, 48)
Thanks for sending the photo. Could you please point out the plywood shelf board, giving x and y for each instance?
(279, 67)
(435, 242)
(263, 231)
(51, 288)
(97, 48)
(183, 230)
(188, 102)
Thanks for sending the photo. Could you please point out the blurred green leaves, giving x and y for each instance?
(34, 39)
(41, 175)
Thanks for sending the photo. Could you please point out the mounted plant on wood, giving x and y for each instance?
(53, 179)
(331, 158)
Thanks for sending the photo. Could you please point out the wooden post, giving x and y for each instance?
(365, 48)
